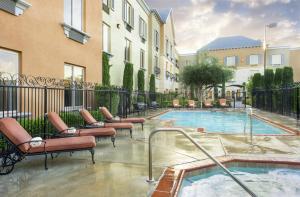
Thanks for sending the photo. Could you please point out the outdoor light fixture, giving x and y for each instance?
(271, 25)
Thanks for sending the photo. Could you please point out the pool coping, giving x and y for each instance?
(169, 184)
(290, 131)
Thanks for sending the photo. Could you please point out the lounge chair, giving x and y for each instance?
(91, 122)
(62, 128)
(111, 119)
(191, 104)
(223, 103)
(176, 103)
(208, 103)
(21, 144)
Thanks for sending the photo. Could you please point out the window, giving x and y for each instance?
(254, 59)
(231, 61)
(127, 50)
(73, 96)
(171, 52)
(167, 47)
(105, 2)
(106, 38)
(142, 59)
(128, 13)
(156, 39)
(9, 63)
(112, 2)
(276, 60)
(107, 5)
(143, 29)
(74, 13)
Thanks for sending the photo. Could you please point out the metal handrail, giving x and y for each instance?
(198, 146)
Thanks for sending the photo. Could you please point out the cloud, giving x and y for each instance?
(198, 22)
(257, 3)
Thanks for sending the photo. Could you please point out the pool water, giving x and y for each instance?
(264, 182)
(220, 122)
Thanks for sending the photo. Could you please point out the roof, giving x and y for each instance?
(163, 14)
(233, 42)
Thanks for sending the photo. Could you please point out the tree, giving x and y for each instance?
(152, 88)
(152, 84)
(269, 78)
(226, 76)
(257, 81)
(278, 77)
(128, 77)
(204, 74)
(287, 76)
(105, 70)
(141, 80)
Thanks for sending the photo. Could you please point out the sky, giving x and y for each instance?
(198, 22)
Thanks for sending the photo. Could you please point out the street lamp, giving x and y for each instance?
(271, 25)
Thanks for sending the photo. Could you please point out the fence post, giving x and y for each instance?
(245, 99)
(110, 103)
(45, 111)
(85, 99)
(297, 102)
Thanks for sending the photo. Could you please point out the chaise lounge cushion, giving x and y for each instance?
(133, 120)
(59, 124)
(119, 125)
(108, 116)
(60, 144)
(15, 133)
(97, 132)
(91, 120)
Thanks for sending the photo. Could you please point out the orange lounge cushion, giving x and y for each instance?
(133, 120)
(97, 132)
(119, 125)
(70, 143)
(106, 113)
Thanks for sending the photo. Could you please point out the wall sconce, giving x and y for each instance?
(118, 26)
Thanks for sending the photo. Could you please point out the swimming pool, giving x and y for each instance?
(263, 181)
(220, 122)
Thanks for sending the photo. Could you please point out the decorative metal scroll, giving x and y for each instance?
(8, 79)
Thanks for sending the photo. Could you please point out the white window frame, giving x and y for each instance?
(142, 28)
(127, 52)
(156, 39)
(72, 22)
(277, 61)
(107, 48)
(254, 59)
(142, 59)
(10, 112)
(73, 99)
(128, 13)
(231, 61)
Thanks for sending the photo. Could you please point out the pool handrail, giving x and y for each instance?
(251, 193)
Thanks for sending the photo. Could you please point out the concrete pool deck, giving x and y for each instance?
(122, 171)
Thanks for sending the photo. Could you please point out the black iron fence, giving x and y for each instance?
(284, 100)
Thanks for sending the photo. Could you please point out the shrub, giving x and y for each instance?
(104, 94)
(141, 80)
(105, 70)
(287, 76)
(269, 78)
(278, 77)
(257, 81)
(128, 77)
(152, 88)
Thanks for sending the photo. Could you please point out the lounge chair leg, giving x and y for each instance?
(46, 157)
(142, 126)
(130, 133)
(93, 152)
(51, 156)
(113, 139)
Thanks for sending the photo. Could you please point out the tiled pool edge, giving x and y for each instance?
(177, 180)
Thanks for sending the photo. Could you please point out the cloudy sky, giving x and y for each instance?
(197, 22)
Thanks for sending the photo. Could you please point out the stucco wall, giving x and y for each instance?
(118, 43)
(43, 46)
(295, 63)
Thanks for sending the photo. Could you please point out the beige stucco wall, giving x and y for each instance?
(295, 63)
(43, 46)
